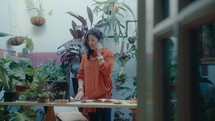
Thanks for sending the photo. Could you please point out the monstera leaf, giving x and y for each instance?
(23, 115)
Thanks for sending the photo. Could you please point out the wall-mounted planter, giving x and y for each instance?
(38, 20)
(15, 41)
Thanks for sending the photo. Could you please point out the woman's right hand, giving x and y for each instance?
(79, 95)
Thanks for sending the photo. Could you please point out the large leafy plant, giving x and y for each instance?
(51, 70)
(112, 13)
(39, 86)
(8, 82)
(23, 115)
(19, 115)
(70, 55)
(10, 75)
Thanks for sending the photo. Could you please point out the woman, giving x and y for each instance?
(94, 76)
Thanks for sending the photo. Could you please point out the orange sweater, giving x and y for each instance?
(97, 78)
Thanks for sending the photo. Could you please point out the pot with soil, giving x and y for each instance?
(38, 20)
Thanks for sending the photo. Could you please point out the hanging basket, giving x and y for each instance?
(38, 20)
(15, 41)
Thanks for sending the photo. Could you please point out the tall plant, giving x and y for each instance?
(112, 13)
(122, 58)
(73, 49)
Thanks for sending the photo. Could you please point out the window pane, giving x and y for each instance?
(170, 75)
(206, 36)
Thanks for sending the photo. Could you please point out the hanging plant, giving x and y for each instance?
(15, 41)
(38, 20)
(29, 46)
(37, 11)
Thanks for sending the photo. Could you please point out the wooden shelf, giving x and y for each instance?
(207, 60)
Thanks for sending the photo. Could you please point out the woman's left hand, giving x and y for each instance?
(99, 48)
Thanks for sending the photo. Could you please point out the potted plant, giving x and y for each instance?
(43, 97)
(70, 52)
(112, 11)
(38, 86)
(9, 85)
(9, 77)
(60, 97)
(37, 11)
(46, 94)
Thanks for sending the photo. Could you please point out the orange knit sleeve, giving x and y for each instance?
(107, 66)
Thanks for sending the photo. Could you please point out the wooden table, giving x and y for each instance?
(89, 104)
(51, 115)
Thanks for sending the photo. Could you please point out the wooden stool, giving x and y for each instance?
(68, 114)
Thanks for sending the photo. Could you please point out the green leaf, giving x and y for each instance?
(50, 12)
(90, 15)
(3, 34)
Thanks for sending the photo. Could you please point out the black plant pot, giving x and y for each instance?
(61, 86)
(9, 96)
(29, 78)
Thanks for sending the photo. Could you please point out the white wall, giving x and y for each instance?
(56, 30)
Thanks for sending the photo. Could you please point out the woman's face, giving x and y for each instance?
(92, 42)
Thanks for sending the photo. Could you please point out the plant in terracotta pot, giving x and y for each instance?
(46, 93)
(43, 97)
(37, 11)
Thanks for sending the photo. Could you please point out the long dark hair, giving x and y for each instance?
(98, 34)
